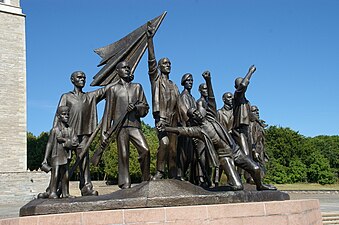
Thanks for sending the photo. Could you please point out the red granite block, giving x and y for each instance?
(186, 213)
(60, 219)
(267, 220)
(150, 215)
(236, 210)
(284, 207)
(102, 217)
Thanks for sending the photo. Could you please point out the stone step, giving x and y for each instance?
(330, 222)
(330, 217)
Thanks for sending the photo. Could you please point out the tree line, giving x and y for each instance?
(292, 157)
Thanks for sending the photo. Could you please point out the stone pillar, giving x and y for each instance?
(13, 141)
(17, 184)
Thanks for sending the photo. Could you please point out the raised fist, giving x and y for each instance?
(150, 29)
(206, 74)
(252, 69)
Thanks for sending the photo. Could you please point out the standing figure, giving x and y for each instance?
(241, 112)
(165, 109)
(61, 142)
(185, 144)
(127, 101)
(83, 119)
(202, 101)
(225, 117)
(222, 149)
(225, 114)
(199, 144)
(257, 136)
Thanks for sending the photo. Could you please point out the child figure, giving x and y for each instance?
(61, 141)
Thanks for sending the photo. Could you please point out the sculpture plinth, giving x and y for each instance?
(161, 193)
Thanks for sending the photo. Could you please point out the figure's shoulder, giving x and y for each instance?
(154, 75)
(201, 101)
(172, 82)
(174, 85)
(55, 130)
(65, 95)
(183, 93)
(136, 85)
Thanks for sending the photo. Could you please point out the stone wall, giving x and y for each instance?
(23, 186)
(13, 156)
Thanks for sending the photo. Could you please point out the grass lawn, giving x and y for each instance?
(307, 186)
(297, 186)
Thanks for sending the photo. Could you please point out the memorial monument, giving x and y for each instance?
(159, 196)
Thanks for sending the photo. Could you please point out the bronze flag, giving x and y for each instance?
(130, 48)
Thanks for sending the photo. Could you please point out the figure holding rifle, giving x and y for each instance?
(125, 105)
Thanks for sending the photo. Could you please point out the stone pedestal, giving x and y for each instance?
(289, 212)
(152, 194)
(172, 202)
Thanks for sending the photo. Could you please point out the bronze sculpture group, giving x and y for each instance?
(195, 139)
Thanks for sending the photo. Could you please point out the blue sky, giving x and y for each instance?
(293, 44)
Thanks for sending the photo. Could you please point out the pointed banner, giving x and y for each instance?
(130, 48)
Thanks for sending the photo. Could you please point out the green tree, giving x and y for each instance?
(31, 151)
(297, 171)
(282, 144)
(295, 158)
(276, 172)
(328, 146)
(36, 150)
(319, 170)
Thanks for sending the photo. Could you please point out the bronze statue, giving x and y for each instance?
(83, 119)
(165, 109)
(127, 100)
(185, 144)
(186, 97)
(203, 169)
(257, 137)
(202, 101)
(225, 114)
(212, 133)
(226, 118)
(241, 112)
(218, 140)
(62, 140)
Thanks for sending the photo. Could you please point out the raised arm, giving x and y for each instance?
(246, 80)
(152, 64)
(212, 105)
